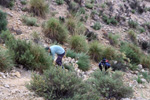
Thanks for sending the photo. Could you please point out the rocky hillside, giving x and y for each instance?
(89, 30)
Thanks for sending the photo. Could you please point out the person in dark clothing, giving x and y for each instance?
(104, 63)
(56, 49)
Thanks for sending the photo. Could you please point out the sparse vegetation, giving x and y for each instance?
(55, 30)
(30, 21)
(6, 60)
(39, 7)
(78, 43)
(3, 21)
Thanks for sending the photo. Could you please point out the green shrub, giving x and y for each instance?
(142, 30)
(95, 51)
(97, 26)
(80, 29)
(71, 53)
(69, 68)
(132, 52)
(133, 11)
(108, 20)
(71, 25)
(84, 62)
(59, 2)
(89, 5)
(111, 85)
(6, 61)
(145, 61)
(30, 21)
(103, 5)
(139, 79)
(133, 67)
(39, 7)
(7, 3)
(73, 6)
(146, 75)
(110, 53)
(3, 21)
(78, 43)
(82, 10)
(132, 24)
(55, 30)
(133, 36)
(30, 56)
(23, 2)
(113, 39)
(56, 84)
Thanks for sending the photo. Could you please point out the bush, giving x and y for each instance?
(82, 10)
(71, 53)
(73, 6)
(6, 61)
(111, 86)
(30, 21)
(24, 53)
(132, 24)
(108, 20)
(78, 43)
(113, 39)
(142, 30)
(23, 2)
(7, 3)
(84, 62)
(54, 30)
(3, 21)
(39, 7)
(56, 84)
(132, 52)
(110, 53)
(146, 75)
(89, 5)
(59, 2)
(95, 51)
(97, 26)
(145, 61)
(71, 25)
(132, 36)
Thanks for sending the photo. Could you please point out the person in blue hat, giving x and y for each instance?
(104, 63)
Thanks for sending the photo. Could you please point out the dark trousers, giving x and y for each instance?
(59, 59)
(106, 67)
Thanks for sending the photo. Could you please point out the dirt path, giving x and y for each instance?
(13, 88)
